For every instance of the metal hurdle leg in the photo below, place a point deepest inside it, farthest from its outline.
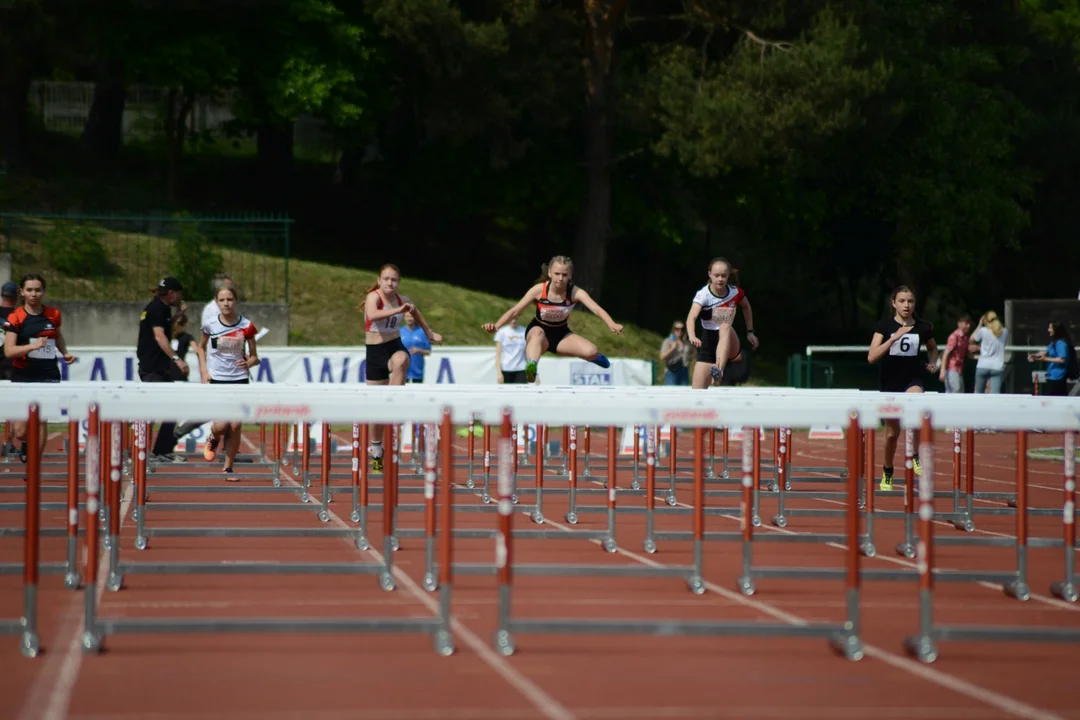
(650, 489)
(430, 449)
(91, 638)
(116, 577)
(963, 517)
(1018, 588)
(571, 463)
(867, 545)
(907, 547)
(1066, 589)
(360, 483)
(29, 642)
(73, 577)
(486, 497)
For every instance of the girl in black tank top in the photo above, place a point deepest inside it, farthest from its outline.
(549, 330)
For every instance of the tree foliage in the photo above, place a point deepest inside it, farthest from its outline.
(832, 150)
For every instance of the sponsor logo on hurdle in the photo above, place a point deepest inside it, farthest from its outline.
(890, 411)
(282, 411)
(696, 415)
(589, 374)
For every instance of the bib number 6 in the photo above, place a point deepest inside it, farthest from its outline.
(906, 345)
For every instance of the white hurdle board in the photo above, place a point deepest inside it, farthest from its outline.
(721, 407)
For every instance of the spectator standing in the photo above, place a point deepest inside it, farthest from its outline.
(989, 339)
(956, 351)
(510, 353)
(1060, 357)
(9, 295)
(157, 358)
(416, 342)
(676, 353)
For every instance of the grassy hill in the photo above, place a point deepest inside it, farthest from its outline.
(323, 297)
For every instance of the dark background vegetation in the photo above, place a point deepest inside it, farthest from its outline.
(830, 150)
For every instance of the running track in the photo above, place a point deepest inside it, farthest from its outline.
(394, 677)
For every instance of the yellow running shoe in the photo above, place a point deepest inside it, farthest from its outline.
(376, 464)
(886, 481)
(917, 467)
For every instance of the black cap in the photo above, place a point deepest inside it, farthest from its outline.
(9, 290)
(169, 283)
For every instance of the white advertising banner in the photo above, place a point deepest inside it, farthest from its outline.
(343, 365)
(300, 365)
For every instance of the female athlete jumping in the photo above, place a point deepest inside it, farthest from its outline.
(387, 358)
(715, 304)
(32, 343)
(224, 339)
(555, 296)
(896, 344)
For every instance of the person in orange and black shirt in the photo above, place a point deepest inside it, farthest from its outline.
(9, 295)
(33, 343)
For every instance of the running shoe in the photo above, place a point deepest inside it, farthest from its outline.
(717, 374)
(602, 360)
(886, 481)
(376, 464)
(917, 467)
(530, 371)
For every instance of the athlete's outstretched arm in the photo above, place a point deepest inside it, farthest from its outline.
(585, 299)
(748, 313)
(691, 324)
(531, 296)
(433, 337)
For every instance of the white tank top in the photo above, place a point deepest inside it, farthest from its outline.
(387, 325)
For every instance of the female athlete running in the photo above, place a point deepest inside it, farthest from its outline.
(555, 296)
(223, 343)
(715, 304)
(32, 343)
(896, 344)
(387, 358)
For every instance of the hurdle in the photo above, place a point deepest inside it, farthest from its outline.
(924, 645)
(70, 567)
(26, 627)
(98, 627)
(844, 635)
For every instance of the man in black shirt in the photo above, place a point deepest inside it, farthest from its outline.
(156, 358)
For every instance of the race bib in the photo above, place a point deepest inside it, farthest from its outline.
(230, 345)
(906, 345)
(553, 315)
(45, 353)
(722, 314)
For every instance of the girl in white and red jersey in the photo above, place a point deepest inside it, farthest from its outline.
(555, 296)
(716, 304)
(229, 346)
(388, 359)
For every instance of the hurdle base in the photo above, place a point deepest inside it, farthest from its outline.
(1064, 590)
(251, 568)
(1014, 633)
(676, 628)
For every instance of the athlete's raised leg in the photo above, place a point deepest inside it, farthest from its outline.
(727, 347)
(536, 344)
(579, 347)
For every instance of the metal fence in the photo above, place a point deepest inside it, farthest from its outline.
(116, 257)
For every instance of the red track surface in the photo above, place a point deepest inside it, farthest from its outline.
(373, 676)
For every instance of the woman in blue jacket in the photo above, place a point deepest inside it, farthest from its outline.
(1058, 355)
